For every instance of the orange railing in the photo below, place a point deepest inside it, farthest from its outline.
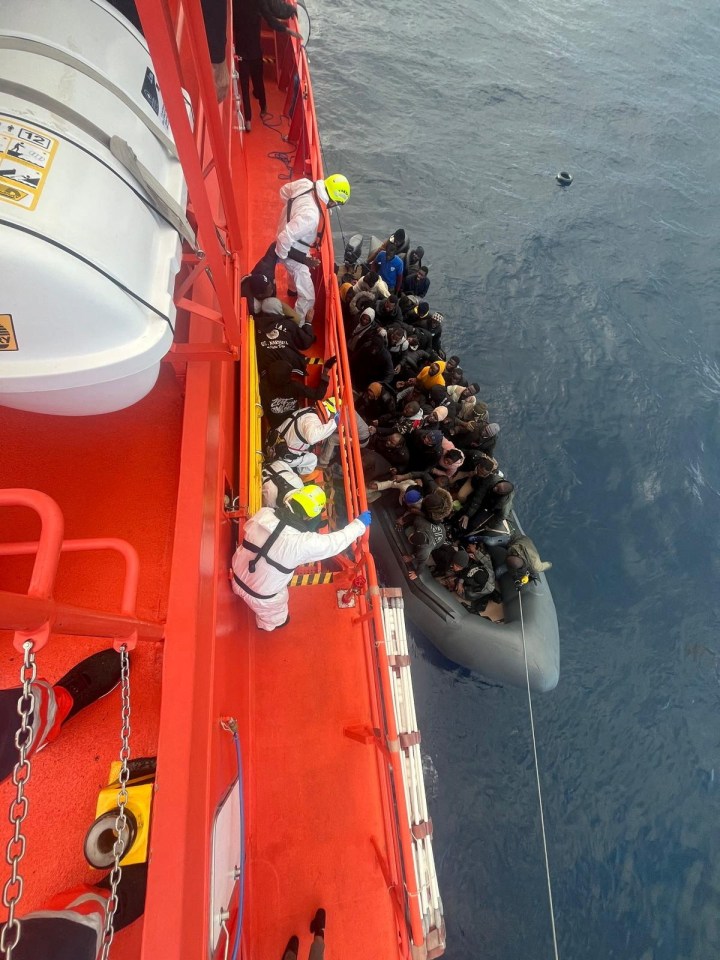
(35, 614)
(294, 77)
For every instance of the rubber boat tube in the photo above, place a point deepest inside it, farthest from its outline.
(493, 649)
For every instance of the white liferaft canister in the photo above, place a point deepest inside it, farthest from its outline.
(88, 263)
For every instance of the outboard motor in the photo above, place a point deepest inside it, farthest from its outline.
(353, 248)
(352, 269)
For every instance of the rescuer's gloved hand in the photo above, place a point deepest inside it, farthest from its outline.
(329, 363)
(366, 517)
(336, 418)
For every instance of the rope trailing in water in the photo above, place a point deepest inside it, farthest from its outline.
(539, 788)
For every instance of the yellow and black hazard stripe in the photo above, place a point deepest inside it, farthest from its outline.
(315, 361)
(311, 579)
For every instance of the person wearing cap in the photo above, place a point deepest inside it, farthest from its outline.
(302, 217)
(449, 562)
(425, 448)
(415, 258)
(390, 267)
(377, 400)
(277, 541)
(476, 583)
(281, 392)
(416, 283)
(408, 492)
(487, 437)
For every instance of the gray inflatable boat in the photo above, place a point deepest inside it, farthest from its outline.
(492, 649)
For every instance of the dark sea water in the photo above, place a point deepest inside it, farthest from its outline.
(589, 316)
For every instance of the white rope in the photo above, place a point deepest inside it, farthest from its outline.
(539, 789)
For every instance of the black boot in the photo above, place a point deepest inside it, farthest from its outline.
(91, 679)
(317, 925)
(291, 950)
(131, 894)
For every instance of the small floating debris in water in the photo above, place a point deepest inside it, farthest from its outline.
(564, 178)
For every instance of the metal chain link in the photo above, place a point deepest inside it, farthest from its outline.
(15, 851)
(122, 799)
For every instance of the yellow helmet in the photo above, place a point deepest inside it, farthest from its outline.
(338, 187)
(327, 408)
(308, 502)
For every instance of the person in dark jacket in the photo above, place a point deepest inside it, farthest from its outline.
(476, 583)
(371, 362)
(281, 393)
(424, 536)
(495, 506)
(215, 17)
(416, 283)
(387, 311)
(425, 448)
(394, 450)
(376, 401)
(278, 337)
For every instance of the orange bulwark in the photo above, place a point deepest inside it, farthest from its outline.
(117, 530)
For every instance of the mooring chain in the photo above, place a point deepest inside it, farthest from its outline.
(122, 799)
(15, 851)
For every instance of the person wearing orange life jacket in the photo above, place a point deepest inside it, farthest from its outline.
(275, 542)
(305, 204)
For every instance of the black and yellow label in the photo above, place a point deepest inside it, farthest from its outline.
(311, 579)
(8, 340)
(26, 155)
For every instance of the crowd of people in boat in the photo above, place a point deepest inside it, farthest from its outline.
(431, 438)
(424, 430)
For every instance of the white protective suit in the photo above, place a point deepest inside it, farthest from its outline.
(265, 590)
(299, 232)
(287, 480)
(300, 432)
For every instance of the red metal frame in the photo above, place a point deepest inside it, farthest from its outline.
(35, 614)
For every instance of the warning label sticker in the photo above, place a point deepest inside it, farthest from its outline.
(26, 155)
(8, 340)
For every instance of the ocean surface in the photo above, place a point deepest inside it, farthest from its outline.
(589, 315)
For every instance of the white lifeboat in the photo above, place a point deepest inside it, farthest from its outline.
(89, 243)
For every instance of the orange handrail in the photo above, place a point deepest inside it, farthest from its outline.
(36, 612)
(308, 162)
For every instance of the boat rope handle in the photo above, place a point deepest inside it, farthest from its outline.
(539, 788)
(13, 890)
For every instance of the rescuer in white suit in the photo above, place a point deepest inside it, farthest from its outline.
(275, 542)
(305, 204)
(303, 429)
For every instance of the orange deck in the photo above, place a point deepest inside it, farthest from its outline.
(314, 798)
(314, 794)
